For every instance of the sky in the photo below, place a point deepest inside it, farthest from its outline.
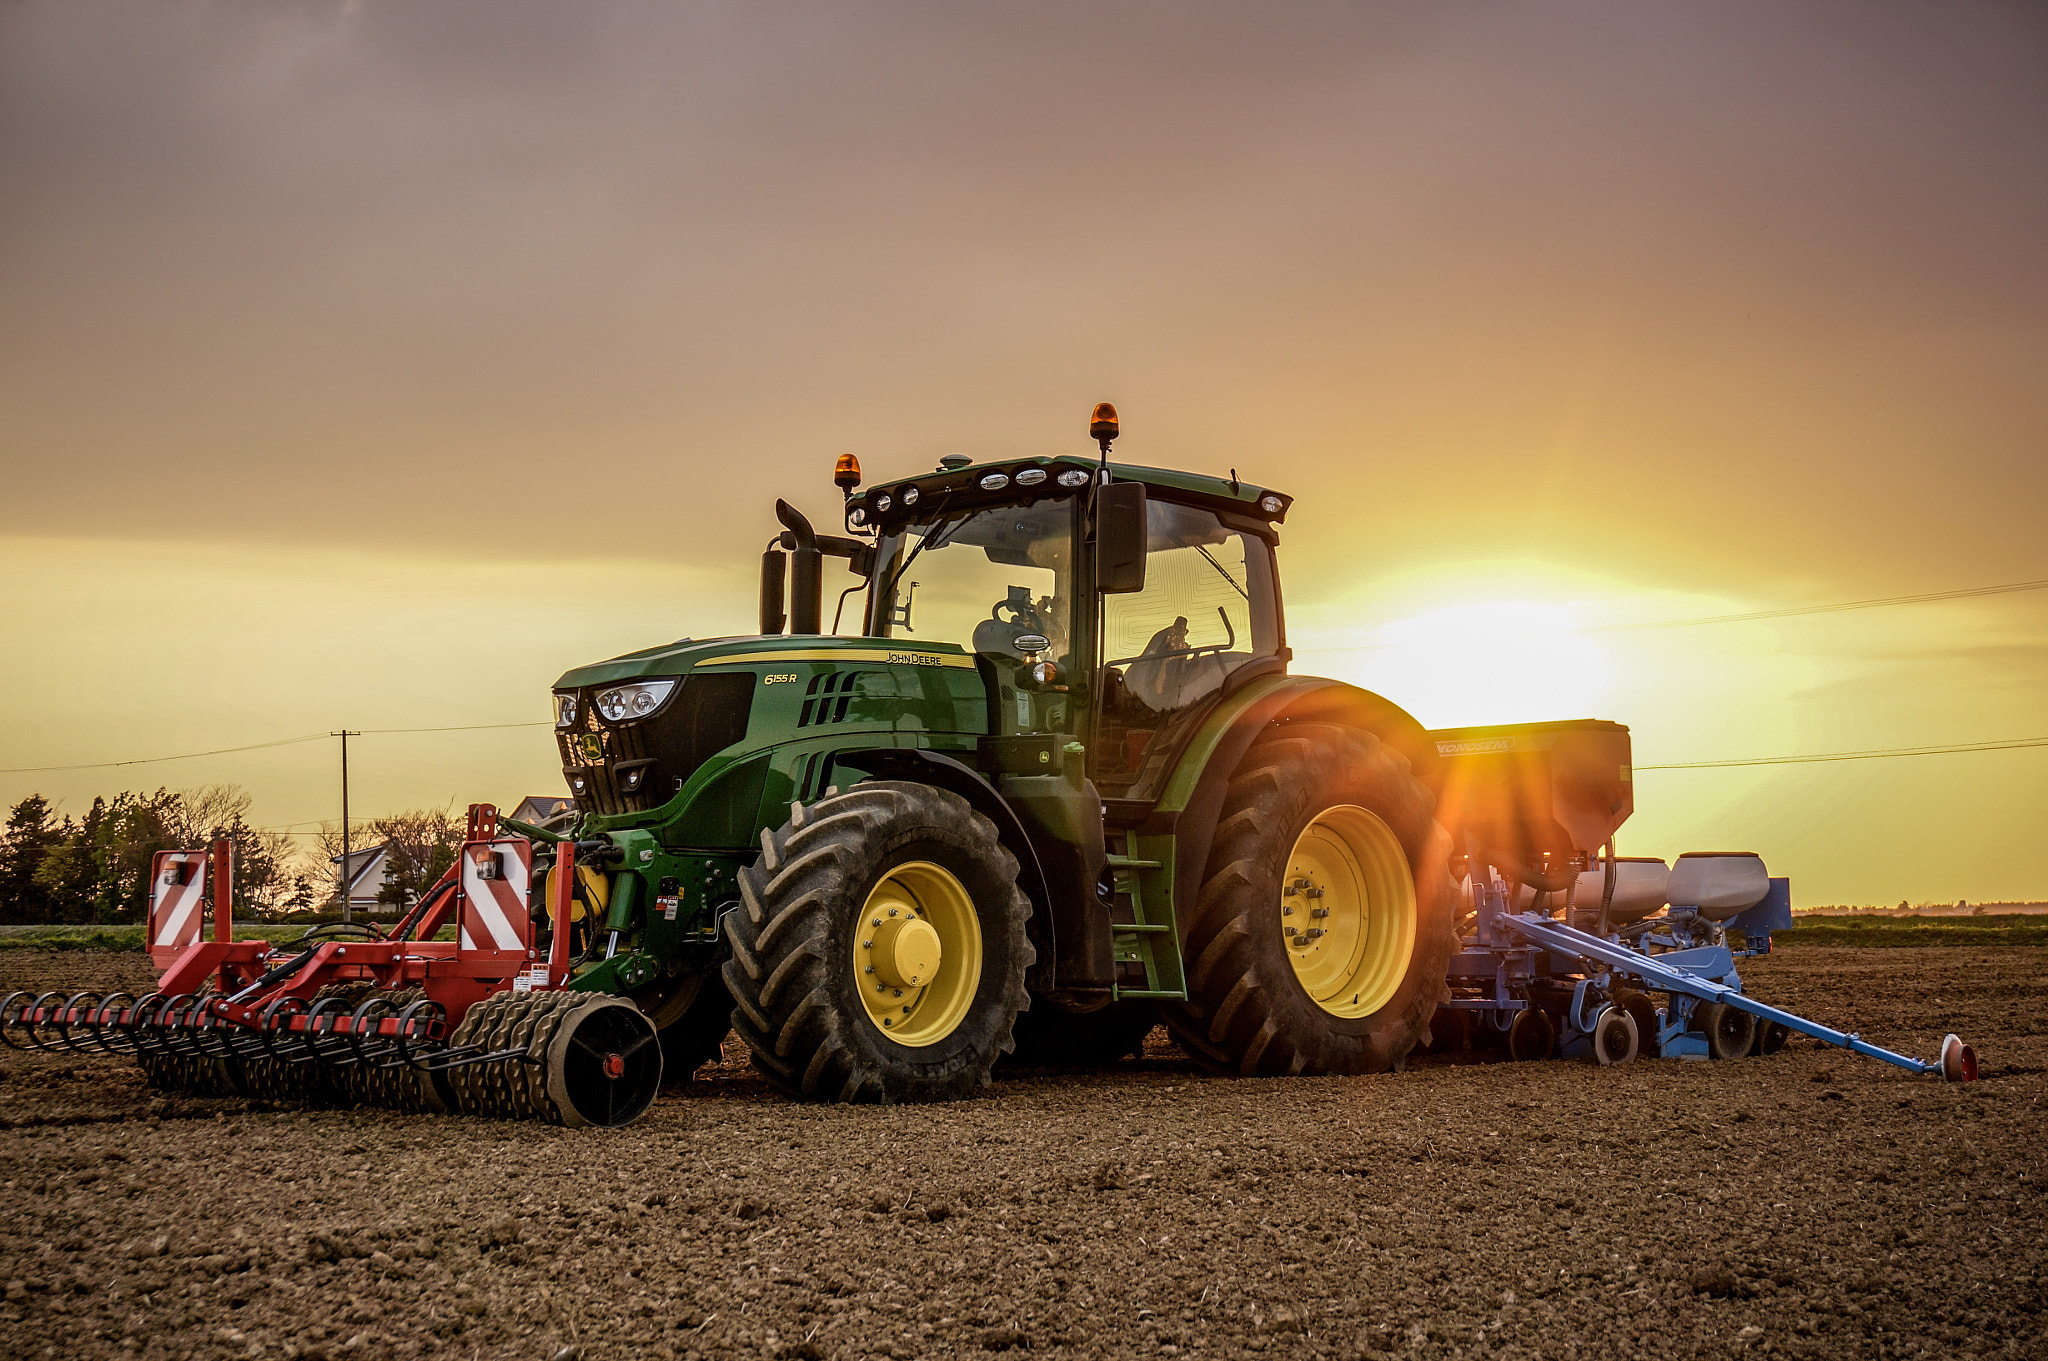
(368, 365)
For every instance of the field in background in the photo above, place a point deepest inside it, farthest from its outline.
(2015, 928)
(1956, 909)
(131, 937)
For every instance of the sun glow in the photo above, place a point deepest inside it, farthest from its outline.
(1483, 662)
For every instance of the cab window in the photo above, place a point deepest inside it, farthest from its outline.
(1206, 610)
(983, 581)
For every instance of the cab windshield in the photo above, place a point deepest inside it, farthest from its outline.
(994, 581)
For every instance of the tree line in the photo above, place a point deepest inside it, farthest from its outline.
(94, 868)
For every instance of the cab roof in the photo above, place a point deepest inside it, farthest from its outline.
(996, 482)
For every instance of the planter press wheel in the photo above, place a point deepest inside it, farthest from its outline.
(1770, 1037)
(1532, 1036)
(1615, 1040)
(603, 1064)
(1729, 1032)
(1643, 1009)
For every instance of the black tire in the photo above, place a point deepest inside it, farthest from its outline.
(693, 1015)
(1729, 1032)
(1770, 1037)
(1247, 1012)
(1641, 1006)
(1532, 1036)
(1615, 1040)
(796, 999)
(1050, 1037)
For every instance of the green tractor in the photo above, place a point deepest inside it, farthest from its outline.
(1056, 786)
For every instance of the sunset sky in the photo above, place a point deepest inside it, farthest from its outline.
(370, 364)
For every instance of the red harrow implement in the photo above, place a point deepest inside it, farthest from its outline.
(480, 1025)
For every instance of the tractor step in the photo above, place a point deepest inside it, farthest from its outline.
(1144, 875)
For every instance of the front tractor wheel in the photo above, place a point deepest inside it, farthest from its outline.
(1320, 939)
(879, 952)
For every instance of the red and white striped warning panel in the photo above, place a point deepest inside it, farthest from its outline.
(177, 888)
(495, 878)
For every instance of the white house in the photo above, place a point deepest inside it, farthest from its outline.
(369, 869)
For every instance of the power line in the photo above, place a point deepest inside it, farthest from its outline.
(1927, 597)
(260, 746)
(466, 727)
(153, 760)
(1965, 593)
(1944, 750)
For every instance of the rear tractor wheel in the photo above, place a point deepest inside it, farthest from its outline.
(879, 950)
(1319, 940)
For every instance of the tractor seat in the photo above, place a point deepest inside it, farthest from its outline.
(1719, 883)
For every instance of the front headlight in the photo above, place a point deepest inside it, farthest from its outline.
(565, 711)
(637, 700)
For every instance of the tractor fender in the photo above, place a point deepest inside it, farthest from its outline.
(922, 766)
(1191, 801)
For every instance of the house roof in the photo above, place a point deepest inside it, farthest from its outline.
(361, 860)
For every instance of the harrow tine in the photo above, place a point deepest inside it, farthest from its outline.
(12, 1009)
(172, 1022)
(371, 1013)
(223, 1037)
(276, 1019)
(73, 1013)
(108, 1015)
(142, 1025)
(320, 1019)
(417, 1022)
(40, 1014)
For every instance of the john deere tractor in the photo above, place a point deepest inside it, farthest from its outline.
(1045, 779)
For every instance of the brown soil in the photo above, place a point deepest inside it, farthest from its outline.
(1808, 1204)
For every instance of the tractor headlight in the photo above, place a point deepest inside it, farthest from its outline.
(995, 481)
(565, 711)
(910, 496)
(1073, 477)
(1030, 477)
(637, 700)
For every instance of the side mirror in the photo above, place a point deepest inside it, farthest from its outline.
(1120, 538)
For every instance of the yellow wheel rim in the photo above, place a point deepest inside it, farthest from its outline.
(917, 954)
(1347, 911)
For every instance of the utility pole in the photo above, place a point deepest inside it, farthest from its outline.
(344, 735)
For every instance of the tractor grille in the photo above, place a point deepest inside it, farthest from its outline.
(631, 767)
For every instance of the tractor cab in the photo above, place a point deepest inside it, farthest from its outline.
(1107, 603)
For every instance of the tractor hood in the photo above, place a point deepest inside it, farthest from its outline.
(685, 655)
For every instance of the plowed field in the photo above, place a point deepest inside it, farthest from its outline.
(1806, 1204)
